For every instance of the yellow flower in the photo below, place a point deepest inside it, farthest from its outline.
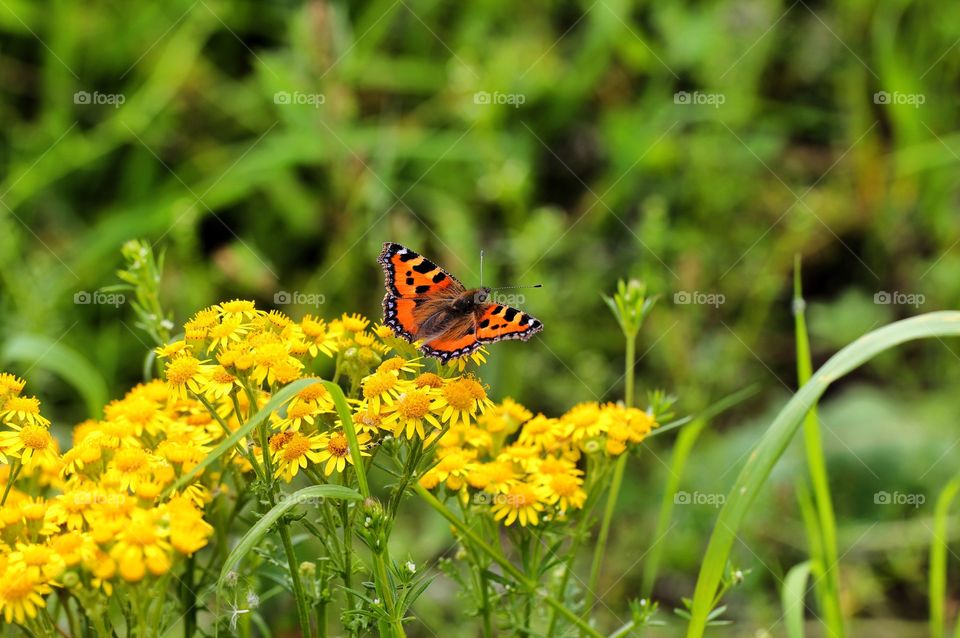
(540, 431)
(318, 336)
(452, 467)
(381, 387)
(582, 421)
(228, 331)
(22, 593)
(460, 400)
(73, 547)
(336, 453)
(39, 559)
(565, 491)
(185, 374)
(523, 502)
(272, 363)
(10, 385)
(219, 383)
(32, 444)
(505, 418)
(171, 349)
(406, 416)
(130, 463)
(141, 546)
(396, 364)
(479, 357)
(23, 410)
(496, 477)
(354, 322)
(238, 307)
(293, 451)
(188, 531)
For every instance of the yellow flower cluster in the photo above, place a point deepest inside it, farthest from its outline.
(527, 468)
(99, 512)
(233, 353)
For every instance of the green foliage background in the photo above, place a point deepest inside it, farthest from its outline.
(600, 173)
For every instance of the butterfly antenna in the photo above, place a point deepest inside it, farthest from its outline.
(481, 268)
(525, 286)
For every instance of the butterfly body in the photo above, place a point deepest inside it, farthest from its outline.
(427, 304)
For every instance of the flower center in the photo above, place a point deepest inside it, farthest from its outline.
(414, 405)
(297, 446)
(35, 437)
(338, 446)
(378, 383)
(182, 369)
(458, 395)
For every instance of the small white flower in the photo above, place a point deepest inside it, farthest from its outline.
(411, 567)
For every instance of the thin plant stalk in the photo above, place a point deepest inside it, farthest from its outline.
(614, 493)
(828, 587)
(529, 584)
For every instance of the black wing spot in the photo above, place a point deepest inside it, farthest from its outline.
(409, 281)
(484, 323)
(511, 313)
(422, 289)
(407, 256)
(497, 310)
(437, 278)
(425, 266)
(524, 318)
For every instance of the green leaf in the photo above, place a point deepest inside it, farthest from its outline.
(938, 558)
(228, 444)
(63, 361)
(263, 525)
(793, 596)
(775, 440)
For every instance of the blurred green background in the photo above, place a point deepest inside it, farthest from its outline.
(273, 146)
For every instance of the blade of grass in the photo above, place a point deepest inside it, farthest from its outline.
(263, 525)
(792, 598)
(678, 461)
(828, 588)
(938, 558)
(775, 440)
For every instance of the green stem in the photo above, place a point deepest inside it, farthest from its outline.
(590, 595)
(380, 558)
(629, 364)
(816, 464)
(11, 477)
(303, 610)
(508, 567)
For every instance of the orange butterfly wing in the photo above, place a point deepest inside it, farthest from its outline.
(417, 306)
(498, 322)
(411, 279)
(409, 274)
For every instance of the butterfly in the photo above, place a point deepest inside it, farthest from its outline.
(426, 303)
